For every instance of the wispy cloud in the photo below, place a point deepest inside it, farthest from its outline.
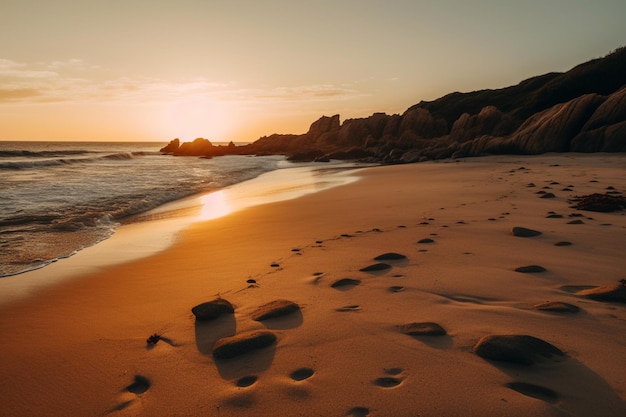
(78, 81)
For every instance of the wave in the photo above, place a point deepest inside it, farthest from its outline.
(42, 154)
(36, 162)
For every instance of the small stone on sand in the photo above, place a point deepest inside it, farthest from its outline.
(557, 307)
(530, 269)
(390, 256)
(274, 309)
(375, 267)
(522, 349)
(230, 347)
(423, 329)
(525, 232)
(212, 309)
(345, 283)
(426, 240)
(609, 293)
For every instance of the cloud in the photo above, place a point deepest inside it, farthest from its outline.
(307, 92)
(76, 81)
(12, 95)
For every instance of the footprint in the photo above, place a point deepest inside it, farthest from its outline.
(393, 371)
(534, 391)
(139, 386)
(302, 374)
(246, 381)
(358, 412)
(349, 308)
(387, 382)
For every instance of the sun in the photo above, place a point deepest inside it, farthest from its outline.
(196, 117)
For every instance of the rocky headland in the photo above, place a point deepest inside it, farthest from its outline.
(581, 110)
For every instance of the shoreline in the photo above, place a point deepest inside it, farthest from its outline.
(149, 233)
(81, 345)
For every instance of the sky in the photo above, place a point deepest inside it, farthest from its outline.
(135, 70)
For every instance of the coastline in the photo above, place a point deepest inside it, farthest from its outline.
(81, 345)
(154, 231)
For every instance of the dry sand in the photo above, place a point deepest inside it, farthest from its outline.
(79, 348)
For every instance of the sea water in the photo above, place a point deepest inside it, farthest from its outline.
(59, 197)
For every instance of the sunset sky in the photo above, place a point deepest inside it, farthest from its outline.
(135, 70)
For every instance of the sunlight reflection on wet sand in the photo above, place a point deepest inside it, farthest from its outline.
(272, 187)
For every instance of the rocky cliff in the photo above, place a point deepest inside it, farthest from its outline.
(582, 110)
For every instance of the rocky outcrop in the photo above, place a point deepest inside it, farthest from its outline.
(553, 129)
(171, 147)
(582, 110)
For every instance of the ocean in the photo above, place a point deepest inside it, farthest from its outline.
(57, 198)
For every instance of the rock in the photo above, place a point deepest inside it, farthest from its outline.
(375, 267)
(323, 125)
(551, 130)
(426, 240)
(604, 203)
(548, 195)
(557, 307)
(490, 121)
(530, 269)
(230, 347)
(345, 283)
(212, 309)
(274, 309)
(524, 232)
(423, 329)
(521, 349)
(421, 122)
(391, 256)
(171, 147)
(563, 243)
(199, 147)
(609, 293)
(610, 112)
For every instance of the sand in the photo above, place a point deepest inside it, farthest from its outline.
(352, 346)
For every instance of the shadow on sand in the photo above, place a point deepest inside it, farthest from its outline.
(209, 332)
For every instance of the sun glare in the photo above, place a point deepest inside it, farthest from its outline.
(197, 117)
(214, 205)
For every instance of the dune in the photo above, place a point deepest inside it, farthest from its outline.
(338, 346)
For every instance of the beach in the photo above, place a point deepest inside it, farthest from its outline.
(356, 341)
